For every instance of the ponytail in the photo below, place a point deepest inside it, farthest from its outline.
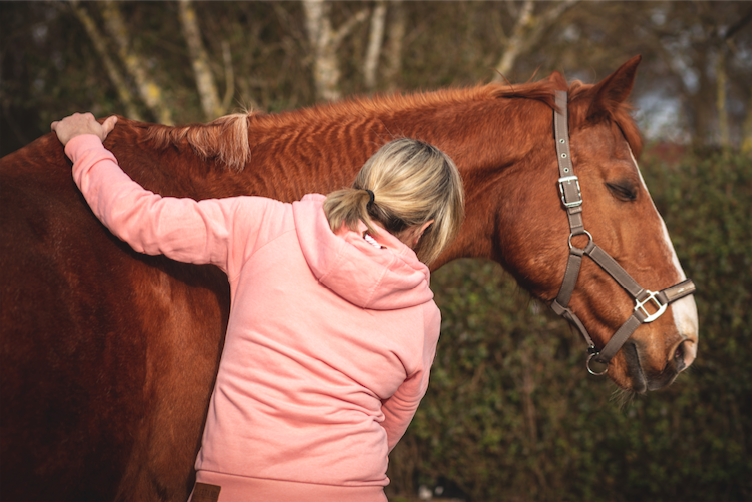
(406, 183)
(347, 207)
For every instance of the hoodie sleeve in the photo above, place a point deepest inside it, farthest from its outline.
(216, 231)
(400, 408)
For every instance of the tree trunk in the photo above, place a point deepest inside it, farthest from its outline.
(513, 45)
(746, 139)
(229, 76)
(113, 72)
(324, 42)
(395, 41)
(701, 105)
(149, 91)
(376, 37)
(326, 72)
(721, 81)
(207, 89)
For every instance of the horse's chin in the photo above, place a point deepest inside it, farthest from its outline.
(640, 379)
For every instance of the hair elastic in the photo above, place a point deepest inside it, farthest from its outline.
(370, 194)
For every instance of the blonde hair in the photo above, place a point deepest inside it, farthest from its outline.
(412, 183)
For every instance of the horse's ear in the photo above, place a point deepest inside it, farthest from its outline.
(610, 92)
(557, 79)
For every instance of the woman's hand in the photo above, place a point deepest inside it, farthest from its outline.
(82, 123)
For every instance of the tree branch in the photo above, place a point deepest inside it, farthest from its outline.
(738, 25)
(149, 91)
(348, 26)
(546, 20)
(514, 43)
(97, 39)
(528, 30)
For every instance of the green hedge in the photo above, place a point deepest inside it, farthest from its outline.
(512, 415)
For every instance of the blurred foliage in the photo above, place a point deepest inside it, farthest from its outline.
(49, 67)
(511, 413)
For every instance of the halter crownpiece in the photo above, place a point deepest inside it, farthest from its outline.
(571, 198)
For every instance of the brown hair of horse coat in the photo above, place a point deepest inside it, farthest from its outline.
(109, 357)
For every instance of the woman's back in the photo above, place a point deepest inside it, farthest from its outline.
(312, 378)
(332, 327)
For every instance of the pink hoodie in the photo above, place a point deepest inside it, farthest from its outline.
(329, 341)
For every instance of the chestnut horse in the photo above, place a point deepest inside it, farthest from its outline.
(108, 357)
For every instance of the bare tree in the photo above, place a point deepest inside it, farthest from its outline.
(746, 145)
(697, 45)
(375, 39)
(395, 41)
(207, 88)
(113, 72)
(325, 41)
(528, 29)
(150, 92)
(728, 46)
(205, 82)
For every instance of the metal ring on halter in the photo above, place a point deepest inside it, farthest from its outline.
(587, 365)
(583, 232)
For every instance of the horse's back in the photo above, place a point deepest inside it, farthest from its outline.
(107, 356)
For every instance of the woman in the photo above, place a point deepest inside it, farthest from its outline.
(332, 328)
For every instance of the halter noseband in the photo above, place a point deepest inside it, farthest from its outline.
(571, 198)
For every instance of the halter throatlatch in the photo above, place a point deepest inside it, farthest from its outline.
(649, 305)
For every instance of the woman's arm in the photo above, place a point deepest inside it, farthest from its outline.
(400, 408)
(211, 231)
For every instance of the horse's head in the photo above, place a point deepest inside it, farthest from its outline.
(619, 217)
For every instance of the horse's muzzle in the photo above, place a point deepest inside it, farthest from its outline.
(643, 377)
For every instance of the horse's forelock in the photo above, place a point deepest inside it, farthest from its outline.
(225, 138)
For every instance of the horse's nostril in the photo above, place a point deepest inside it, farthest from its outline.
(685, 354)
(679, 357)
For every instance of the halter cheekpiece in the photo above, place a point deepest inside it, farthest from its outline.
(646, 300)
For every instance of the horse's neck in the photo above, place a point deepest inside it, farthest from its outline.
(495, 146)
(492, 143)
(321, 155)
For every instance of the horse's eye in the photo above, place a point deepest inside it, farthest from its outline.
(623, 190)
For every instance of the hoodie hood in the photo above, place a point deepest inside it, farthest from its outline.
(382, 279)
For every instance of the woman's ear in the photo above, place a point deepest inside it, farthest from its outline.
(410, 236)
(420, 231)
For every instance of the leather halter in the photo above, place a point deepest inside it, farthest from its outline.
(571, 198)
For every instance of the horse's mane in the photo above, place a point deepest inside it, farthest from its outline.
(226, 138)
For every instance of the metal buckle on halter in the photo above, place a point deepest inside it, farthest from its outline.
(569, 179)
(652, 296)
